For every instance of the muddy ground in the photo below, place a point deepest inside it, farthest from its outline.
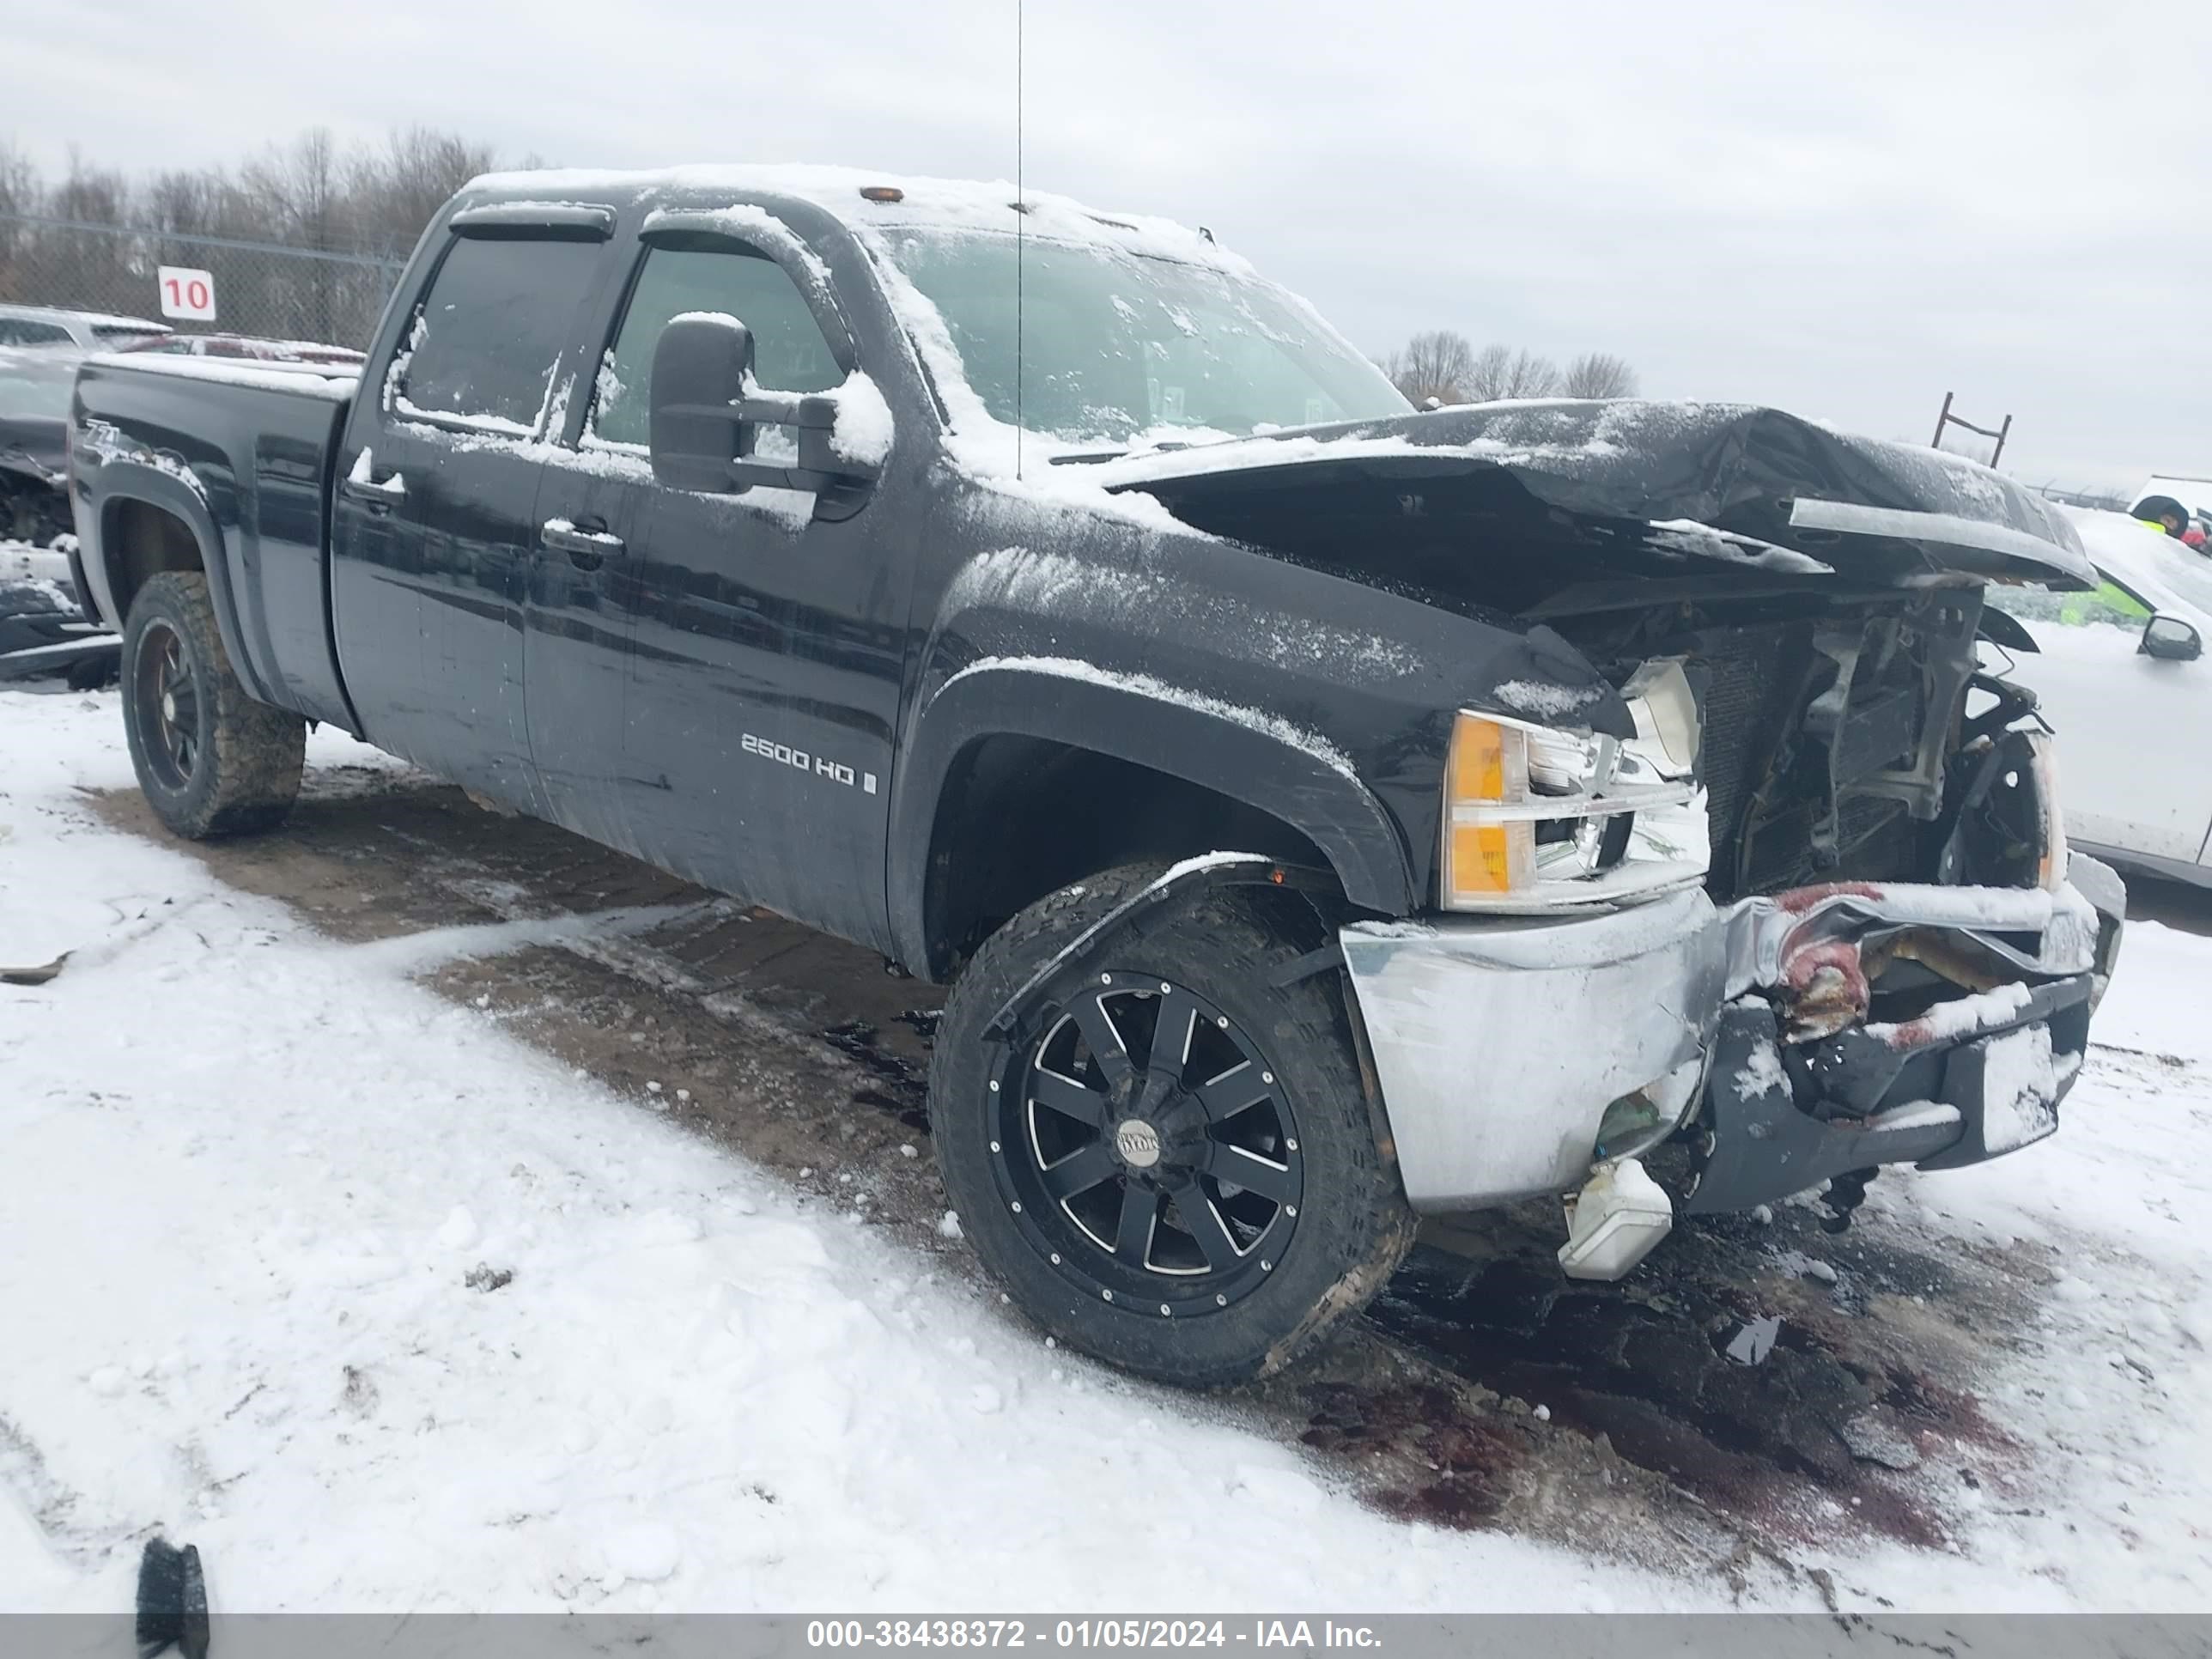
(1759, 1386)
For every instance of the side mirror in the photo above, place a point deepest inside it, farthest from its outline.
(700, 367)
(706, 414)
(2170, 639)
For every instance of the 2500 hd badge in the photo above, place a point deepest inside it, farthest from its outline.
(820, 765)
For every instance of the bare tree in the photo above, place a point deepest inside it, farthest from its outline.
(1441, 364)
(1486, 384)
(309, 194)
(1599, 374)
(299, 195)
(19, 193)
(89, 194)
(297, 189)
(395, 193)
(1436, 363)
(1500, 372)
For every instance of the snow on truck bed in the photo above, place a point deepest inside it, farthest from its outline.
(247, 1168)
(308, 379)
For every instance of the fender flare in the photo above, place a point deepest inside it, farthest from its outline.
(1313, 792)
(122, 479)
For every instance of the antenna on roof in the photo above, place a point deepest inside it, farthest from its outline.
(1020, 213)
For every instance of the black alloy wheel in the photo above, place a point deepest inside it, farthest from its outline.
(1164, 1145)
(1145, 1145)
(165, 684)
(211, 760)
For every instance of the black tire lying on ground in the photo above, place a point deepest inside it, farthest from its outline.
(1095, 1199)
(211, 761)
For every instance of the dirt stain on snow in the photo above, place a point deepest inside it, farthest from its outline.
(1855, 1420)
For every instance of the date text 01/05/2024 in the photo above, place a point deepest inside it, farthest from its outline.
(1087, 1633)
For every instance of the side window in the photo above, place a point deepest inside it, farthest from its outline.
(18, 330)
(789, 351)
(488, 337)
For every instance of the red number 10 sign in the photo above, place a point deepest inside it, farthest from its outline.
(186, 294)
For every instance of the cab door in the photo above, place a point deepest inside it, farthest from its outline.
(435, 521)
(765, 666)
(580, 621)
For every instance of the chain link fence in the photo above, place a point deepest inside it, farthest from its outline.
(266, 289)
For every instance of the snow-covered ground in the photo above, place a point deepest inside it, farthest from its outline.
(22, 560)
(244, 1171)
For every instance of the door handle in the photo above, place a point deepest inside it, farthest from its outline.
(586, 548)
(375, 492)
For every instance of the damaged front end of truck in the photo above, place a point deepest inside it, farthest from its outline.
(1762, 866)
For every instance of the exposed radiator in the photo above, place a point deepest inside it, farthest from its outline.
(1757, 681)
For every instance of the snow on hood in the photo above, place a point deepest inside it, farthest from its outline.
(1714, 481)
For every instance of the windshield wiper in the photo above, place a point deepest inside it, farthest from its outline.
(1096, 457)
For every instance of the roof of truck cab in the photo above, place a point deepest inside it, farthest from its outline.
(924, 203)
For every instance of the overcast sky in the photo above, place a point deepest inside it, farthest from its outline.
(1843, 208)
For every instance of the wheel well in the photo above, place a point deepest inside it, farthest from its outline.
(1020, 818)
(139, 539)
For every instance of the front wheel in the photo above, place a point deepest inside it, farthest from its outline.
(211, 761)
(1169, 1161)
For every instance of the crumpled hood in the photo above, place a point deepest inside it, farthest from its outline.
(1682, 482)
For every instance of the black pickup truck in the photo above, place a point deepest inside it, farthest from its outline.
(1322, 812)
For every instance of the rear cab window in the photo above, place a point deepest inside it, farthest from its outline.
(486, 342)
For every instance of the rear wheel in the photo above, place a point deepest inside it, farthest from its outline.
(211, 761)
(1170, 1163)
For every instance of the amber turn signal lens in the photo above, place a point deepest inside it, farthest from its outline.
(882, 193)
(1488, 768)
(1481, 861)
(1478, 760)
(1486, 859)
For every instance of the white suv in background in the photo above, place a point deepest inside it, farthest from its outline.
(2122, 673)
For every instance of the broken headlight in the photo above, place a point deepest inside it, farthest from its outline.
(1536, 818)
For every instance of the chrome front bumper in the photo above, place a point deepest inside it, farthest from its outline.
(1504, 1047)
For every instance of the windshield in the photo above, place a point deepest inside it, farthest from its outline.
(1116, 347)
(2164, 571)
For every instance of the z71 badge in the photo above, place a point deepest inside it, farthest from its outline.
(820, 765)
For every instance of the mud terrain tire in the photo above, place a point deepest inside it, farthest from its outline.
(211, 761)
(1348, 1226)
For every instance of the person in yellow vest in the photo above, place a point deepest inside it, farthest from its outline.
(2163, 512)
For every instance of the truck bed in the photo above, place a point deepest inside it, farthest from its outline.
(244, 455)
